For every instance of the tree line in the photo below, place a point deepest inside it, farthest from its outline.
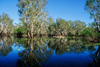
(6, 25)
(36, 22)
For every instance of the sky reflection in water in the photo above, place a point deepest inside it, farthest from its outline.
(48, 52)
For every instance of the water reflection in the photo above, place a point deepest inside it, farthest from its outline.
(5, 45)
(47, 52)
(36, 51)
(96, 57)
(69, 45)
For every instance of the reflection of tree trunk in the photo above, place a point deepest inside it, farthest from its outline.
(28, 43)
(12, 38)
(26, 52)
(31, 46)
(96, 58)
(97, 53)
(4, 39)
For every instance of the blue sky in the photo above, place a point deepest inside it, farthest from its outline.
(65, 9)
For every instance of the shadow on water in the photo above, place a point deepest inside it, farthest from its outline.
(96, 57)
(48, 52)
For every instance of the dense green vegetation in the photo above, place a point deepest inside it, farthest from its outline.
(36, 22)
(67, 37)
(66, 28)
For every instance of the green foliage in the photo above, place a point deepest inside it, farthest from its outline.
(93, 7)
(70, 34)
(90, 34)
(20, 30)
(51, 26)
(66, 28)
(33, 13)
(6, 24)
(86, 32)
(62, 26)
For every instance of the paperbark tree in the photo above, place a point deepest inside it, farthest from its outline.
(93, 7)
(6, 24)
(32, 11)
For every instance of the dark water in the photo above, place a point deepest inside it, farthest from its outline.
(48, 52)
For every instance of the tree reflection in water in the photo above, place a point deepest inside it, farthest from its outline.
(96, 57)
(37, 51)
(69, 45)
(5, 45)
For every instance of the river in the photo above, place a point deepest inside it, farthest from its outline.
(48, 52)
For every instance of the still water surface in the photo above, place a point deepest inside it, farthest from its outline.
(48, 52)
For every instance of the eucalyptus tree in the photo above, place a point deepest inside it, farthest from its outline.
(32, 13)
(93, 7)
(43, 23)
(24, 12)
(92, 25)
(52, 26)
(78, 27)
(10, 29)
(38, 16)
(6, 24)
(62, 26)
(0, 24)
